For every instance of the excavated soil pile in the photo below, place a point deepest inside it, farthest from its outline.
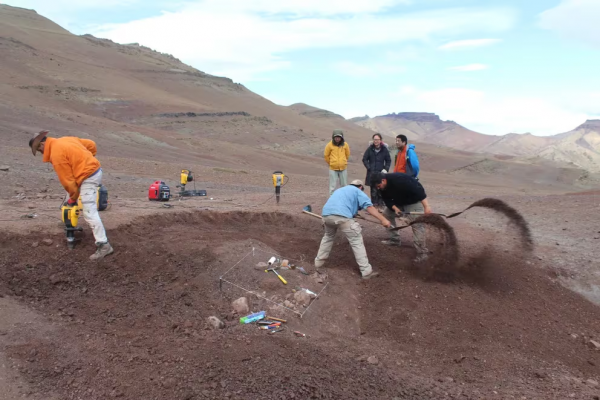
(133, 326)
(513, 215)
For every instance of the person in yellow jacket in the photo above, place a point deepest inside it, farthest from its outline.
(336, 154)
(79, 172)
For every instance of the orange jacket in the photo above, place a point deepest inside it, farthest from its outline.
(401, 161)
(73, 160)
(90, 145)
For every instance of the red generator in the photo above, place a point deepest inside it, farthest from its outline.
(159, 191)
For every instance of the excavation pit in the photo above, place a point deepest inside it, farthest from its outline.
(135, 325)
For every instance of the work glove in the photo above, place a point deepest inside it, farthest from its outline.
(383, 171)
(70, 202)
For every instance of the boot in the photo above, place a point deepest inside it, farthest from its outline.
(371, 275)
(102, 251)
(421, 258)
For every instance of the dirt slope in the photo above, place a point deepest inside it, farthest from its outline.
(143, 105)
(136, 328)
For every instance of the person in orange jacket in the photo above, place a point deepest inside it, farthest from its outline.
(336, 155)
(79, 172)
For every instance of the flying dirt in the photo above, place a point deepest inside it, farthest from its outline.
(445, 265)
(515, 218)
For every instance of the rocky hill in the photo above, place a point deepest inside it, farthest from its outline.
(580, 147)
(144, 106)
(314, 112)
(428, 128)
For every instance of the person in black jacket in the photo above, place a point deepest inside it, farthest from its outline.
(403, 194)
(376, 159)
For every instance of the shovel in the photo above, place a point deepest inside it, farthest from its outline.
(308, 210)
(422, 213)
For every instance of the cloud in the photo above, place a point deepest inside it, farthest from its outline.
(469, 67)
(479, 110)
(361, 70)
(497, 114)
(243, 39)
(302, 8)
(574, 19)
(468, 44)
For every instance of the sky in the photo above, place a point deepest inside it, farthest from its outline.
(494, 66)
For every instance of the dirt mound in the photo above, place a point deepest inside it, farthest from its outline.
(444, 263)
(133, 326)
(514, 216)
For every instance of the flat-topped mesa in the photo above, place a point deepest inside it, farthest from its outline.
(590, 124)
(359, 119)
(416, 116)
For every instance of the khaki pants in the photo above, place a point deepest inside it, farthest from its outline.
(88, 192)
(419, 232)
(333, 178)
(352, 230)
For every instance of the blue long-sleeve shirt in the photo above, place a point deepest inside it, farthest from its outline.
(346, 202)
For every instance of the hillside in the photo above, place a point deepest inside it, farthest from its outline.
(314, 112)
(579, 147)
(133, 100)
(488, 316)
(140, 105)
(429, 128)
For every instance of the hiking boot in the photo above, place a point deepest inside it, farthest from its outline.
(392, 242)
(102, 251)
(421, 257)
(371, 275)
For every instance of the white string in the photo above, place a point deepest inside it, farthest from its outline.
(243, 258)
(311, 303)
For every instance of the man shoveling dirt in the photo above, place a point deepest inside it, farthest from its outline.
(339, 212)
(404, 194)
(79, 172)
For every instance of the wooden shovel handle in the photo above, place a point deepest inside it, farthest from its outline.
(314, 215)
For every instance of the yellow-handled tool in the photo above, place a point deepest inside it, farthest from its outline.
(279, 276)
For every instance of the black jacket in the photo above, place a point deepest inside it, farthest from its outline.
(402, 190)
(375, 162)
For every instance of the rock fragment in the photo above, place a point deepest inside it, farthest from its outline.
(215, 323)
(241, 305)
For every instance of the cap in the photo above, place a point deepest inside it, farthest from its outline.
(35, 143)
(357, 182)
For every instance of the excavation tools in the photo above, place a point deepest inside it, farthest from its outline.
(70, 217)
(302, 270)
(70, 214)
(276, 273)
(272, 326)
(253, 317)
(278, 182)
(308, 210)
(299, 334)
(186, 177)
(276, 319)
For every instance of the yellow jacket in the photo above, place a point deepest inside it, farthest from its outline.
(337, 156)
